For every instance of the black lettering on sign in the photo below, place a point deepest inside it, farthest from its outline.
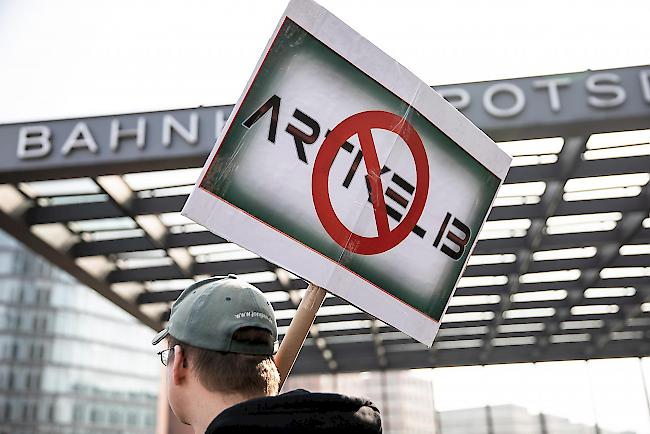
(402, 201)
(384, 169)
(390, 193)
(353, 169)
(417, 230)
(273, 103)
(397, 197)
(301, 138)
(460, 243)
(403, 183)
(442, 230)
(347, 146)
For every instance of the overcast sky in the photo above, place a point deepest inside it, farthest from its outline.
(79, 58)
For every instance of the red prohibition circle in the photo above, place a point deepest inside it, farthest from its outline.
(362, 124)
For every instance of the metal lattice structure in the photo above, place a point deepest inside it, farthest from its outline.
(561, 270)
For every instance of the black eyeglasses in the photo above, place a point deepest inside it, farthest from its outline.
(164, 355)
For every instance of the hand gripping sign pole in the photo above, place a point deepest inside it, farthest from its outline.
(298, 330)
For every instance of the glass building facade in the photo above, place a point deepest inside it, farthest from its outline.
(71, 362)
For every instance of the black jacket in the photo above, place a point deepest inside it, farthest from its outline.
(299, 412)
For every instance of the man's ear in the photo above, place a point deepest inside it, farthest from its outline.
(179, 366)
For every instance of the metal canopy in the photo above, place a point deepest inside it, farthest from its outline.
(561, 270)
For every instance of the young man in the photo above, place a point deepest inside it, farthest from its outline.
(221, 377)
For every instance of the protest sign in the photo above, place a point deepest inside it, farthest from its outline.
(341, 166)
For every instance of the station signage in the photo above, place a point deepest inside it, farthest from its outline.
(548, 106)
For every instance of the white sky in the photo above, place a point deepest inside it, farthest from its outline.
(609, 392)
(78, 58)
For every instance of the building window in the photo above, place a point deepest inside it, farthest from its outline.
(19, 263)
(36, 381)
(78, 413)
(14, 321)
(132, 419)
(34, 412)
(115, 418)
(96, 416)
(6, 263)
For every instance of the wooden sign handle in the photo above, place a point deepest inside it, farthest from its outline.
(298, 330)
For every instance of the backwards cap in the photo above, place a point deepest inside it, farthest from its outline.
(209, 312)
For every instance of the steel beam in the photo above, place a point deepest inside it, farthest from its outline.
(23, 234)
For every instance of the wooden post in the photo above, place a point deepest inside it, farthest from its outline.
(298, 330)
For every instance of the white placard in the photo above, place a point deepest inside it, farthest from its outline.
(341, 166)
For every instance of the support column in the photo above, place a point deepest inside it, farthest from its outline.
(645, 385)
(166, 421)
(489, 420)
(162, 407)
(384, 398)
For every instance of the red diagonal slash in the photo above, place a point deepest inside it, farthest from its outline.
(374, 178)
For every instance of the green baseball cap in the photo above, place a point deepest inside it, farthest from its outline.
(209, 312)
